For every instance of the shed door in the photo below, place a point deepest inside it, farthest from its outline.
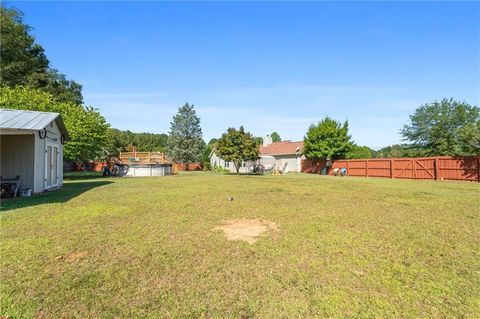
(51, 165)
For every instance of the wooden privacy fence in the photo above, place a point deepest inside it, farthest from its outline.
(436, 168)
(87, 166)
(190, 167)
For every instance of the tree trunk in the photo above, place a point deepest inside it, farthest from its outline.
(237, 167)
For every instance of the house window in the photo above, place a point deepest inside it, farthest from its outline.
(243, 164)
(227, 164)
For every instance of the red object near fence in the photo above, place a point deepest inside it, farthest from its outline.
(90, 167)
(436, 168)
(191, 167)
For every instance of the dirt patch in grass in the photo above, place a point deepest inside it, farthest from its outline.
(73, 257)
(249, 230)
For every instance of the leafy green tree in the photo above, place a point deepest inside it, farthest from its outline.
(21, 57)
(275, 137)
(237, 146)
(23, 62)
(258, 140)
(213, 142)
(185, 143)
(205, 158)
(470, 138)
(360, 152)
(119, 141)
(328, 139)
(444, 128)
(86, 126)
(57, 84)
(399, 150)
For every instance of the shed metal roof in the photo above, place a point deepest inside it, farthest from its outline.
(30, 120)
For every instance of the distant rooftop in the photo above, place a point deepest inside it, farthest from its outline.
(282, 148)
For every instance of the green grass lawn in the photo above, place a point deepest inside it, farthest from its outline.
(146, 248)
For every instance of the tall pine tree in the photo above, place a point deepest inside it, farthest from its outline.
(185, 143)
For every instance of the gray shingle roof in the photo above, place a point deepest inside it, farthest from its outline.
(30, 120)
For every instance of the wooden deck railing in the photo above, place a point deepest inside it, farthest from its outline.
(144, 158)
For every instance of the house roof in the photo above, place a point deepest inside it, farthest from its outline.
(30, 120)
(211, 153)
(282, 148)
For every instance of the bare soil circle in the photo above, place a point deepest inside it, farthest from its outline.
(248, 230)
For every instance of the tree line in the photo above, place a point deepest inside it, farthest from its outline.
(124, 141)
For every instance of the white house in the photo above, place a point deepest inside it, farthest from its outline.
(31, 146)
(276, 155)
(216, 161)
(287, 154)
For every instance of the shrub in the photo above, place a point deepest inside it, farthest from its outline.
(207, 166)
(221, 170)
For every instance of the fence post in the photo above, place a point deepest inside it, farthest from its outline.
(414, 167)
(150, 159)
(391, 168)
(366, 168)
(437, 169)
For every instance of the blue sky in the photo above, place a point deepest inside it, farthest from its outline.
(270, 66)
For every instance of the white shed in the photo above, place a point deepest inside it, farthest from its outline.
(31, 146)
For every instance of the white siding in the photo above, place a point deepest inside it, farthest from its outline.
(292, 161)
(22, 152)
(39, 162)
(53, 136)
(217, 161)
(16, 158)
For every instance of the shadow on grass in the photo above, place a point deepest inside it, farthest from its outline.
(248, 174)
(74, 176)
(67, 192)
